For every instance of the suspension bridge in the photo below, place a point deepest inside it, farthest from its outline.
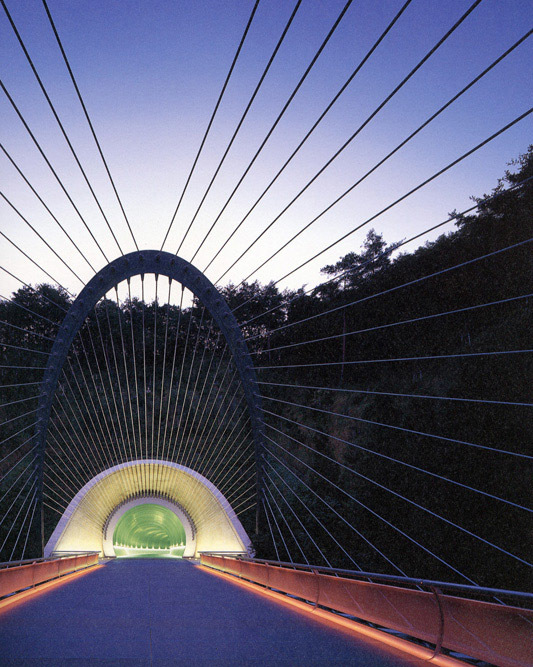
(217, 447)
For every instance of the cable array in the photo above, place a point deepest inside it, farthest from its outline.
(394, 395)
(99, 400)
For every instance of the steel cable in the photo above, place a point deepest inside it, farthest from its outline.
(48, 163)
(425, 509)
(254, 94)
(422, 433)
(394, 203)
(376, 514)
(274, 125)
(315, 125)
(361, 127)
(41, 200)
(241, 43)
(63, 53)
(359, 268)
(60, 124)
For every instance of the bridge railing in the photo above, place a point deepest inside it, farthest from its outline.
(20, 575)
(445, 615)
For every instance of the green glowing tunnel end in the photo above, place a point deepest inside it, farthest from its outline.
(149, 530)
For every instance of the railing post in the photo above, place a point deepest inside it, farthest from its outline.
(317, 579)
(438, 645)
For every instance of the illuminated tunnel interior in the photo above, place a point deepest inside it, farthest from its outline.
(148, 531)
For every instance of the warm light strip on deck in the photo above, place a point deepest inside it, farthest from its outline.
(335, 620)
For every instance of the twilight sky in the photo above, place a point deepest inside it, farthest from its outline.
(150, 74)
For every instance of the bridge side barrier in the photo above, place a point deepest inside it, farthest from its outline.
(15, 579)
(259, 574)
(415, 613)
(497, 633)
(302, 584)
(45, 571)
(19, 577)
(501, 634)
(66, 565)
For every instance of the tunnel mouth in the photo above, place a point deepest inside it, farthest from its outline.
(149, 530)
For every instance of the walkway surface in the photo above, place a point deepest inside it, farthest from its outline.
(169, 612)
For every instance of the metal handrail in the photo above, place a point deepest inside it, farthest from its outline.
(390, 578)
(227, 553)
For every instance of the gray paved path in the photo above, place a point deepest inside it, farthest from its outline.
(164, 612)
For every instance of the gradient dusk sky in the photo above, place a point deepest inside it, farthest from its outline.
(150, 73)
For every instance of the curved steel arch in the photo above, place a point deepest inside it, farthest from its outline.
(123, 268)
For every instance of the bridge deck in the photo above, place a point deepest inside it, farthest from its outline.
(156, 612)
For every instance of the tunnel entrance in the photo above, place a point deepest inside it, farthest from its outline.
(149, 530)
(92, 516)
